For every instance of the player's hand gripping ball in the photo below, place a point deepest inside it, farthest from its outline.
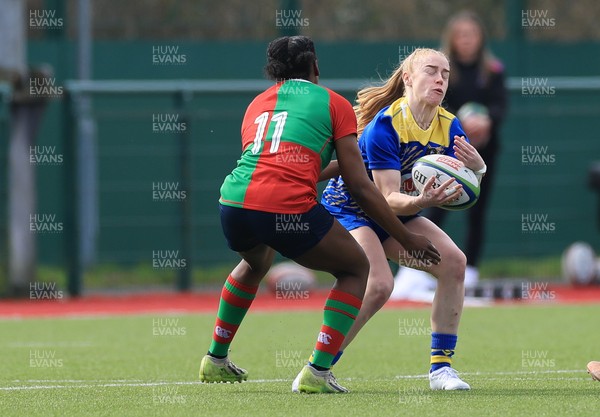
(444, 167)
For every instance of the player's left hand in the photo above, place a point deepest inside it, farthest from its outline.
(467, 154)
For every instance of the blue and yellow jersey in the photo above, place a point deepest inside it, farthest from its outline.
(393, 140)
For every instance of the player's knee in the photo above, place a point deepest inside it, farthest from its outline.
(379, 292)
(457, 264)
(256, 271)
(356, 268)
(361, 268)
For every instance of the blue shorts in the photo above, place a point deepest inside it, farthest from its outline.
(351, 220)
(289, 234)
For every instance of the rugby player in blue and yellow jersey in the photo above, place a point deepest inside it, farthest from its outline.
(401, 121)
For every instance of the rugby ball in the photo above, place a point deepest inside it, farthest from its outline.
(444, 167)
(290, 280)
(579, 264)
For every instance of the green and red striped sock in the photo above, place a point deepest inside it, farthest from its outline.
(236, 299)
(339, 314)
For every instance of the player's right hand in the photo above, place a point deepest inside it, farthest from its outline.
(419, 247)
(433, 196)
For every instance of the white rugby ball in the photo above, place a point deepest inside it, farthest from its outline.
(289, 278)
(579, 264)
(444, 167)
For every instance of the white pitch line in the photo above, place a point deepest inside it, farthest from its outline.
(139, 383)
(48, 344)
(103, 385)
(126, 384)
(544, 371)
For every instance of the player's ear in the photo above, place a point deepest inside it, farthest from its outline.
(407, 79)
(316, 68)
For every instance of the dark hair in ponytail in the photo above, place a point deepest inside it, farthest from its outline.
(290, 57)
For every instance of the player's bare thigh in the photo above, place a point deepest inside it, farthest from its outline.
(451, 254)
(380, 269)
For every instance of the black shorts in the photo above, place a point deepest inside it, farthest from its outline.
(289, 234)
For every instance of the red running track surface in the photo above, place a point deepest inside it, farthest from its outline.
(207, 302)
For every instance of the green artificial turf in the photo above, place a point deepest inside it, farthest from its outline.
(519, 360)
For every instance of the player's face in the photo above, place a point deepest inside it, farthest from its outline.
(466, 40)
(430, 79)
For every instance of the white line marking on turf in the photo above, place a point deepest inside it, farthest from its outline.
(546, 371)
(120, 384)
(57, 384)
(48, 344)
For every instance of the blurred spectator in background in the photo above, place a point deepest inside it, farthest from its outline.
(478, 97)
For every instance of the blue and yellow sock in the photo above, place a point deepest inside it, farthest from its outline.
(442, 350)
(337, 357)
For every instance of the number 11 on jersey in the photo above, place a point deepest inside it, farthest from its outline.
(261, 121)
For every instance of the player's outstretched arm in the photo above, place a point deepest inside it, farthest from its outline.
(330, 171)
(374, 204)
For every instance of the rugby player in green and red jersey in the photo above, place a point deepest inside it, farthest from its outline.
(269, 203)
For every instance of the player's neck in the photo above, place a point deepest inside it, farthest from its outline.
(423, 113)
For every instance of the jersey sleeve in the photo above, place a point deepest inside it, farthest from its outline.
(455, 130)
(343, 119)
(381, 144)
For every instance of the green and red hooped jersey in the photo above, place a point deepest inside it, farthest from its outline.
(288, 136)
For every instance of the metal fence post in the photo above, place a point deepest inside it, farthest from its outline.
(72, 253)
(184, 278)
(5, 96)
